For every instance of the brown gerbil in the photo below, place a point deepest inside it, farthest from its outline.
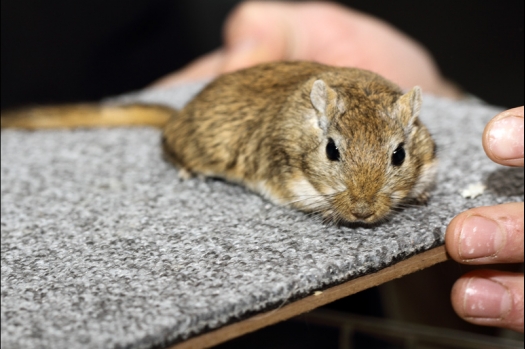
(339, 141)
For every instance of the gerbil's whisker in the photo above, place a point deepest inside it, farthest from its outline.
(315, 198)
(403, 205)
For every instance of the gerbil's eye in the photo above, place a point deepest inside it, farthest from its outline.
(398, 156)
(332, 153)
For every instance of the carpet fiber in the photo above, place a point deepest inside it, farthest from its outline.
(104, 247)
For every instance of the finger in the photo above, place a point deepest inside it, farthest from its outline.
(256, 32)
(205, 67)
(503, 138)
(490, 298)
(485, 235)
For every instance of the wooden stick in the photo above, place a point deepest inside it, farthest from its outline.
(408, 266)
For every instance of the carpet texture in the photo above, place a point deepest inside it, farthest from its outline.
(104, 247)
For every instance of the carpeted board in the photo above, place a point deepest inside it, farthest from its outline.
(104, 247)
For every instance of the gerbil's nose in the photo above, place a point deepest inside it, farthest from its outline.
(362, 211)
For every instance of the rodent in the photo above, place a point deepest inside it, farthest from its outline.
(342, 142)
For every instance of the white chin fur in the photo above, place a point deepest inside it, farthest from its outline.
(306, 197)
(425, 181)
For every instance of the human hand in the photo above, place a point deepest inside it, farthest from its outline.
(264, 31)
(488, 235)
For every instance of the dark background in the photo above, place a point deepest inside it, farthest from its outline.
(67, 51)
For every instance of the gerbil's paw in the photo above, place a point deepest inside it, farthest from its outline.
(185, 174)
(422, 199)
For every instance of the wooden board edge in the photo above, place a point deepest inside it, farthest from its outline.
(418, 262)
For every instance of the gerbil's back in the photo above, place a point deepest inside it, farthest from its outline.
(274, 82)
(233, 114)
(259, 86)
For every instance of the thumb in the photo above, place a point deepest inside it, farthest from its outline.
(255, 33)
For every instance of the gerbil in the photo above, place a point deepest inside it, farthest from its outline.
(343, 142)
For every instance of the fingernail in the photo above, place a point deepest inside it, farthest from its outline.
(506, 138)
(485, 298)
(480, 237)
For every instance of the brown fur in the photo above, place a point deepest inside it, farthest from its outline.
(258, 127)
(267, 127)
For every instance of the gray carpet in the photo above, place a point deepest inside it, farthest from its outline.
(104, 247)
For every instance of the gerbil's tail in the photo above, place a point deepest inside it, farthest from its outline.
(87, 115)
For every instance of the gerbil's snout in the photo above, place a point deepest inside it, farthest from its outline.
(358, 211)
(364, 201)
(362, 210)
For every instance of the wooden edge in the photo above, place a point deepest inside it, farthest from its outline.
(410, 265)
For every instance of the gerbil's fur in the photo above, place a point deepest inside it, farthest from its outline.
(339, 141)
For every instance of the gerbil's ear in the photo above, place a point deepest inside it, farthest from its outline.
(409, 105)
(319, 96)
(322, 97)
